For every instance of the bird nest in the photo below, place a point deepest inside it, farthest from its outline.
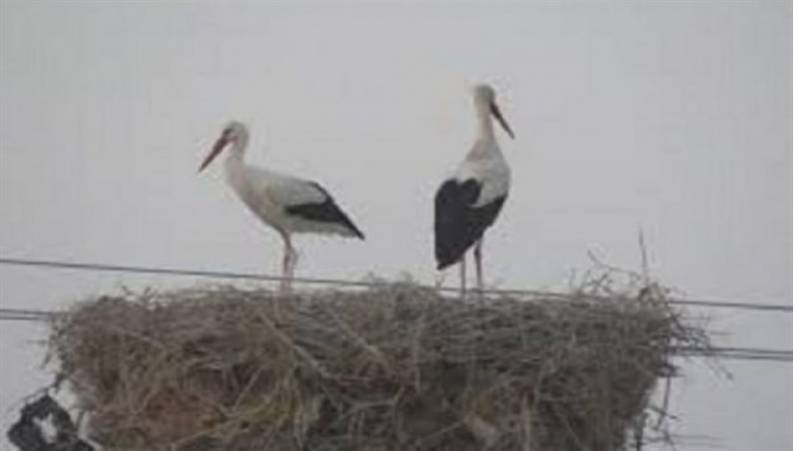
(392, 367)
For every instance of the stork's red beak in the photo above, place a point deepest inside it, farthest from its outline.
(220, 144)
(497, 114)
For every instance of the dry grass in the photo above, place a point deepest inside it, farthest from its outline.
(395, 367)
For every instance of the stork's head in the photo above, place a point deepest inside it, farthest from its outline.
(485, 99)
(235, 134)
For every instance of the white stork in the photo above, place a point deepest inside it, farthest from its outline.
(469, 201)
(287, 204)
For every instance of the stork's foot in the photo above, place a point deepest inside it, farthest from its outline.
(479, 293)
(288, 266)
(480, 284)
(463, 289)
(293, 263)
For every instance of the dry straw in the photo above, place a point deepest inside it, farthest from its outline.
(393, 367)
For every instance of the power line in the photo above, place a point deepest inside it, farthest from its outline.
(733, 353)
(738, 353)
(20, 318)
(766, 358)
(14, 314)
(348, 283)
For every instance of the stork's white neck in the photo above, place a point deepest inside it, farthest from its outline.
(484, 119)
(236, 156)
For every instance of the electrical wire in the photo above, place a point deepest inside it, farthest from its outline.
(350, 283)
(738, 353)
(733, 353)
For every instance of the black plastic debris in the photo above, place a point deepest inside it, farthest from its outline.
(27, 433)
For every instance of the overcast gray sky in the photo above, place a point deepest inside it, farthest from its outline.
(673, 116)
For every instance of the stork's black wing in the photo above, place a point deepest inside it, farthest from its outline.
(325, 211)
(458, 224)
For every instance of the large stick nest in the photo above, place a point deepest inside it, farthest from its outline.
(394, 367)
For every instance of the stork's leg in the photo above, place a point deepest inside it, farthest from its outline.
(286, 265)
(480, 284)
(285, 268)
(293, 263)
(462, 276)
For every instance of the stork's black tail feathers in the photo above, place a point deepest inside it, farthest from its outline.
(458, 224)
(350, 225)
(326, 211)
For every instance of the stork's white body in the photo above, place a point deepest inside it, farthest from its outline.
(486, 164)
(268, 194)
(286, 203)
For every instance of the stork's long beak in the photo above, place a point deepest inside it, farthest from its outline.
(497, 114)
(220, 144)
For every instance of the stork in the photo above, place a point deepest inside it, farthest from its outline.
(287, 204)
(469, 201)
